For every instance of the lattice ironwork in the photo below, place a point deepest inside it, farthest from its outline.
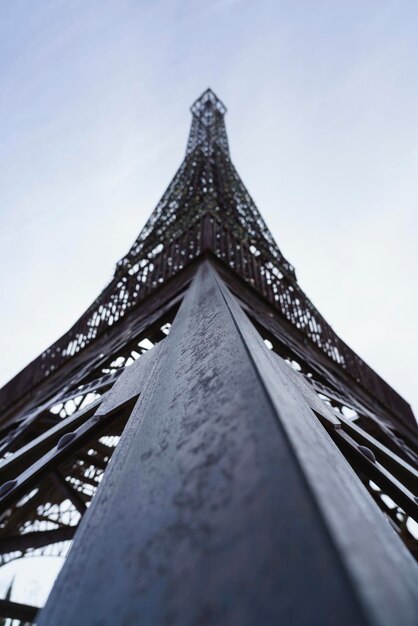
(205, 208)
(56, 438)
(55, 488)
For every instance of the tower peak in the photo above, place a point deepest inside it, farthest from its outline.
(208, 100)
(208, 126)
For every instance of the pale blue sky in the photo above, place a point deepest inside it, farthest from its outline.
(322, 101)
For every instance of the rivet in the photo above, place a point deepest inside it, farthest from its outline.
(6, 487)
(367, 453)
(65, 439)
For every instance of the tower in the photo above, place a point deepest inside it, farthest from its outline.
(265, 474)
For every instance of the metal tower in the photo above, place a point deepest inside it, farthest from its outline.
(265, 474)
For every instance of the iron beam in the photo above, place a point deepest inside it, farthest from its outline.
(226, 502)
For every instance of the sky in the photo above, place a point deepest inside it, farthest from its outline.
(322, 104)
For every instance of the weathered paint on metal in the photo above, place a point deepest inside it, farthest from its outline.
(206, 514)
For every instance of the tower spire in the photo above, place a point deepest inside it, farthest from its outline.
(206, 183)
(208, 126)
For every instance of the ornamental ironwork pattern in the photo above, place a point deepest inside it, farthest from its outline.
(58, 432)
(206, 207)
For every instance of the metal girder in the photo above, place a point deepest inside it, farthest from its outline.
(36, 539)
(404, 472)
(226, 501)
(66, 445)
(205, 208)
(402, 476)
(25, 457)
(71, 493)
(52, 469)
(15, 610)
(229, 499)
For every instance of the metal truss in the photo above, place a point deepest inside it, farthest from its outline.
(64, 414)
(206, 207)
(228, 493)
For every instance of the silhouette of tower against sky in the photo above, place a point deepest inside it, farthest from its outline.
(262, 473)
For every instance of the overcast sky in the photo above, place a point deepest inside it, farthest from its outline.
(322, 101)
